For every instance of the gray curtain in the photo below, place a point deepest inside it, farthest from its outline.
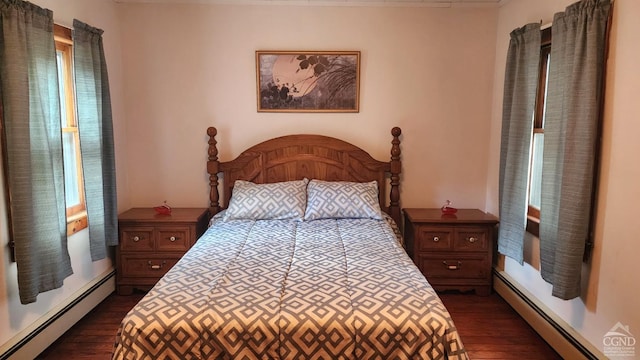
(574, 99)
(520, 84)
(32, 124)
(96, 137)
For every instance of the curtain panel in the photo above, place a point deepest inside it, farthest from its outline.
(33, 147)
(520, 84)
(95, 128)
(574, 100)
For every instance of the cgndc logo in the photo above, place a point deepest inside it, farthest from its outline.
(619, 341)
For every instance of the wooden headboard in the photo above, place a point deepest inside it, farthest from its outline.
(294, 157)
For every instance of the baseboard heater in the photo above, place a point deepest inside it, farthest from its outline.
(36, 340)
(566, 341)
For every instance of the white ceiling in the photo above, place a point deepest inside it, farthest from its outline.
(409, 3)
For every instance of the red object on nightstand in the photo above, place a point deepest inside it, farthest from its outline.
(447, 209)
(163, 209)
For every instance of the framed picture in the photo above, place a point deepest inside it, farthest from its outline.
(308, 81)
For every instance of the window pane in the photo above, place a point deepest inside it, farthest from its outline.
(536, 170)
(61, 89)
(546, 87)
(70, 170)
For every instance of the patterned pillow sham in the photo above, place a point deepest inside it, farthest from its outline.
(275, 201)
(342, 199)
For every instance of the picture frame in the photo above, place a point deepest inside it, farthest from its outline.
(308, 81)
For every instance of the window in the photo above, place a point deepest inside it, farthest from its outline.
(74, 189)
(568, 119)
(537, 143)
(43, 70)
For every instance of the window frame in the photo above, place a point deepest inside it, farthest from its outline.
(533, 213)
(76, 215)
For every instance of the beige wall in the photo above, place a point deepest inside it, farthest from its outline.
(15, 317)
(190, 66)
(176, 69)
(611, 288)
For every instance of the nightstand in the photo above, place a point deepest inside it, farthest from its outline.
(151, 243)
(454, 252)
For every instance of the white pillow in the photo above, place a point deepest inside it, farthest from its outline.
(275, 201)
(342, 199)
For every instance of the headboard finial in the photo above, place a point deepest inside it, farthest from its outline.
(213, 166)
(396, 168)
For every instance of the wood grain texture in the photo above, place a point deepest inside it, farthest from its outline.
(489, 327)
(93, 336)
(151, 243)
(294, 157)
(454, 252)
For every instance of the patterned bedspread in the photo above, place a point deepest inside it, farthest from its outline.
(277, 289)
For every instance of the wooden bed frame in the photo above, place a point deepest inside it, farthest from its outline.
(294, 157)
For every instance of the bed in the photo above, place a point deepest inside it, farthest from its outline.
(303, 260)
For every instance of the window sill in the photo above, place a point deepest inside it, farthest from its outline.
(533, 225)
(76, 222)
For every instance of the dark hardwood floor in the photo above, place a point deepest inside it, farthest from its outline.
(489, 327)
(93, 336)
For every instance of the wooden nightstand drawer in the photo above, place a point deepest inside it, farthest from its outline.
(471, 239)
(432, 239)
(452, 251)
(136, 239)
(453, 266)
(173, 239)
(142, 265)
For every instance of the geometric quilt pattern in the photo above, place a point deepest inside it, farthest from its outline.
(323, 289)
(283, 200)
(342, 199)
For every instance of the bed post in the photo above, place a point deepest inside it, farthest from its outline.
(212, 169)
(396, 165)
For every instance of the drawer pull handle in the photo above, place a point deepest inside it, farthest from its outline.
(136, 238)
(173, 238)
(472, 239)
(452, 267)
(436, 239)
(157, 266)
